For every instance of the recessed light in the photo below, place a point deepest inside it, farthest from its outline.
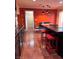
(34, 0)
(60, 2)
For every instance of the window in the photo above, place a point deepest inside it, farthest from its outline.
(60, 23)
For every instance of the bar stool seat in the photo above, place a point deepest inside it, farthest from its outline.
(50, 37)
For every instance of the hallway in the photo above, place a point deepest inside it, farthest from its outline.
(32, 48)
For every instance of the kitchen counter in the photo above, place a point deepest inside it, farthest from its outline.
(52, 31)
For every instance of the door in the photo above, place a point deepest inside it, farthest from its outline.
(29, 16)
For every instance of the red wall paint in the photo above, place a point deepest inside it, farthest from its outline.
(47, 17)
(38, 16)
(21, 18)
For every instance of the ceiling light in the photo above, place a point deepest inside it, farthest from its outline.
(60, 2)
(34, 0)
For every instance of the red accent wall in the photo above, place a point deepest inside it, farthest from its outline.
(45, 17)
(21, 18)
(38, 16)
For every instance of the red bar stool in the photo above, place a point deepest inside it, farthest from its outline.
(50, 37)
(51, 44)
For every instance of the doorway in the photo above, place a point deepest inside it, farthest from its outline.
(29, 18)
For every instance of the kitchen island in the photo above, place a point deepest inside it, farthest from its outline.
(53, 39)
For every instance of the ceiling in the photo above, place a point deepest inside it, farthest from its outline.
(40, 4)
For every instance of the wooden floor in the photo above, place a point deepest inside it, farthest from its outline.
(32, 48)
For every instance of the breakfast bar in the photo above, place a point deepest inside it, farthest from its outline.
(52, 38)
